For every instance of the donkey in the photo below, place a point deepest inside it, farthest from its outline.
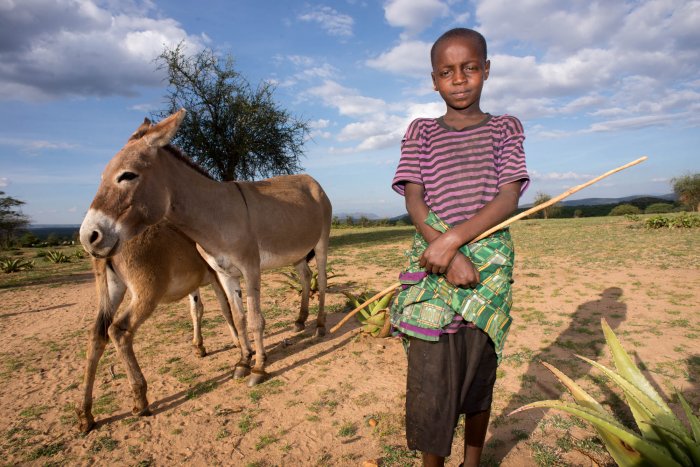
(240, 228)
(159, 265)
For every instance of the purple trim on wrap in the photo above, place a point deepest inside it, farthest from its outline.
(419, 330)
(411, 278)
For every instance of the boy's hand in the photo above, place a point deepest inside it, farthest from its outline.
(440, 252)
(462, 272)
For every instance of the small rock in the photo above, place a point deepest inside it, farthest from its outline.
(372, 422)
(370, 463)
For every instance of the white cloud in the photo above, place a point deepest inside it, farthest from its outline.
(558, 176)
(53, 48)
(4, 182)
(35, 145)
(331, 21)
(408, 57)
(414, 15)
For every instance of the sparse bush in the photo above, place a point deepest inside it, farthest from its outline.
(624, 209)
(658, 208)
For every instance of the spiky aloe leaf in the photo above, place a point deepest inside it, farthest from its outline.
(683, 447)
(692, 419)
(628, 370)
(638, 451)
(644, 409)
(383, 302)
(616, 448)
(353, 299)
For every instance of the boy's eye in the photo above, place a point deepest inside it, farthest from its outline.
(445, 73)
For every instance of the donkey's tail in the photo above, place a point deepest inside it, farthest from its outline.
(105, 309)
(310, 255)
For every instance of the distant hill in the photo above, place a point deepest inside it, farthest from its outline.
(64, 231)
(356, 215)
(648, 199)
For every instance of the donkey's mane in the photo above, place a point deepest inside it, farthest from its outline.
(180, 155)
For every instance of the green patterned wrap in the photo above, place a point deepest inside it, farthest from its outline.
(428, 303)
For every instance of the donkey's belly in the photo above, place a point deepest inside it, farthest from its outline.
(271, 260)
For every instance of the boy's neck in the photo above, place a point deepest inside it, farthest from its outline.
(460, 119)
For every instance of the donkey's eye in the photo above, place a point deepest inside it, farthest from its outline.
(126, 176)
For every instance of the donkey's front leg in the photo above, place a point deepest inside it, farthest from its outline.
(96, 347)
(197, 311)
(122, 333)
(257, 327)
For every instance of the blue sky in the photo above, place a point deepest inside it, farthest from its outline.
(596, 84)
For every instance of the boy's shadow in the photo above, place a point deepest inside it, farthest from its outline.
(584, 336)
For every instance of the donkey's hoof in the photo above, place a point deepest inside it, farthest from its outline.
(200, 350)
(145, 412)
(257, 377)
(298, 326)
(85, 421)
(320, 331)
(241, 370)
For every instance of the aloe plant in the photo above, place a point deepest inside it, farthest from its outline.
(9, 265)
(661, 438)
(55, 256)
(294, 281)
(375, 316)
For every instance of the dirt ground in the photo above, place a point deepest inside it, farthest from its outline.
(334, 401)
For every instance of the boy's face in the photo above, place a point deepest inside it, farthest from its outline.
(459, 72)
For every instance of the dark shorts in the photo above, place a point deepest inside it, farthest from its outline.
(445, 379)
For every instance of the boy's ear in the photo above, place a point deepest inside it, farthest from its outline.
(487, 69)
(432, 76)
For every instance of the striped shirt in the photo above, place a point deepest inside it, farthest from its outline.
(461, 170)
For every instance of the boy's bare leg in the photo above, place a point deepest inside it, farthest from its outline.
(475, 426)
(432, 460)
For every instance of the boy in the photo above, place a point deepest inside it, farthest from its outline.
(461, 174)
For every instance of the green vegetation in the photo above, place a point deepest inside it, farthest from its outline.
(661, 439)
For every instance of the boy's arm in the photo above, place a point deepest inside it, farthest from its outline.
(442, 249)
(459, 271)
(418, 211)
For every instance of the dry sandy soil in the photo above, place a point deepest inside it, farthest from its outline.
(338, 400)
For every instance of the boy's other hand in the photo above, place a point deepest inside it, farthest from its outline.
(462, 273)
(437, 257)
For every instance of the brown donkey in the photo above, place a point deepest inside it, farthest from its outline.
(240, 228)
(158, 266)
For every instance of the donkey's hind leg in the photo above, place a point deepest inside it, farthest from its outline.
(321, 251)
(197, 311)
(225, 308)
(304, 273)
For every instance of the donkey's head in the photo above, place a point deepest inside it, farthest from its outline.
(130, 196)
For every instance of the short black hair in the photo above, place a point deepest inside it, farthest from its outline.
(459, 32)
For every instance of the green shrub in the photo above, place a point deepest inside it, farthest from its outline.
(681, 221)
(623, 209)
(658, 208)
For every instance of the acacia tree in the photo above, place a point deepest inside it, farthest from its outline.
(687, 188)
(232, 130)
(549, 211)
(11, 219)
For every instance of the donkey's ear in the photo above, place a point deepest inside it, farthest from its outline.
(163, 132)
(141, 130)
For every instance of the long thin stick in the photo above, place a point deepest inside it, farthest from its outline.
(503, 224)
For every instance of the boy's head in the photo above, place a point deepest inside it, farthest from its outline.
(460, 68)
(465, 33)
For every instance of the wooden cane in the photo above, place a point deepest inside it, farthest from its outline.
(503, 224)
